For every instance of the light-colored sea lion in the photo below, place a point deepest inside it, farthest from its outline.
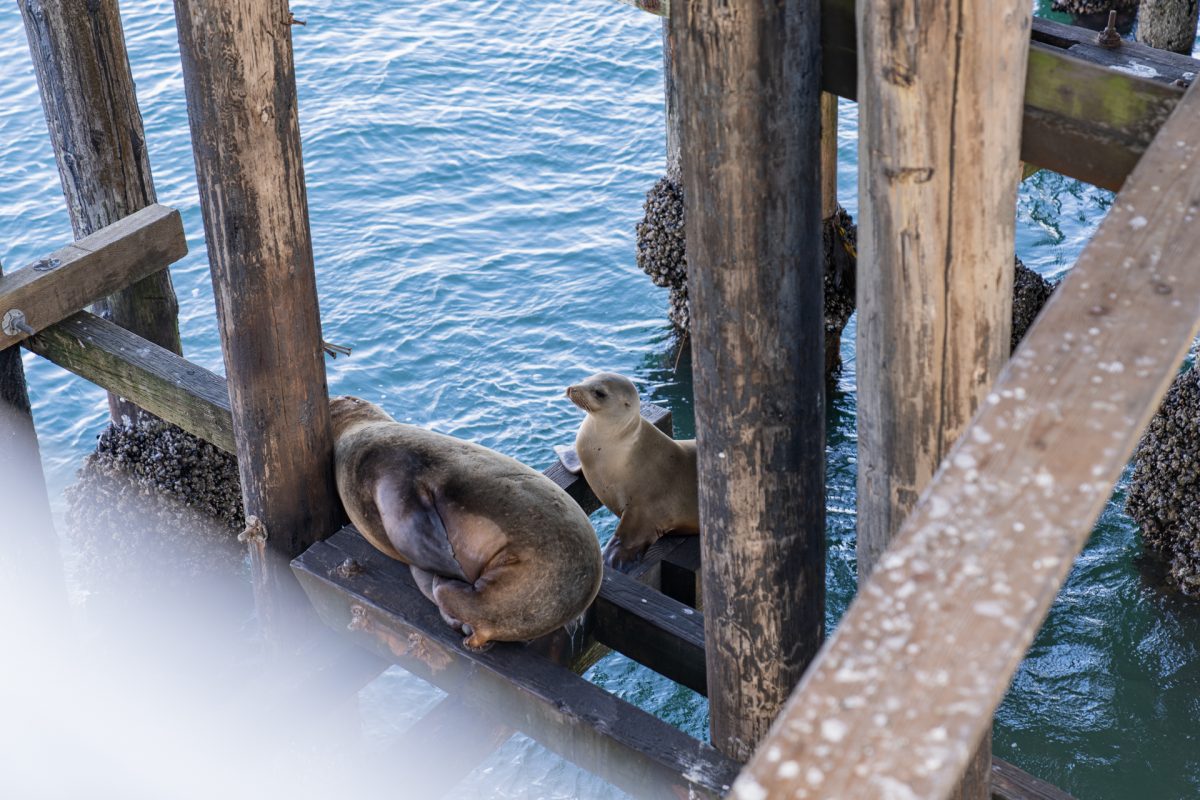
(642, 475)
(503, 552)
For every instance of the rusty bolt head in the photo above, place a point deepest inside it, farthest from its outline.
(1109, 37)
(348, 569)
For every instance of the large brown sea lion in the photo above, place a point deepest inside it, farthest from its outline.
(503, 552)
(642, 475)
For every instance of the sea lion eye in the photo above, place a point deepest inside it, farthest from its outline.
(600, 394)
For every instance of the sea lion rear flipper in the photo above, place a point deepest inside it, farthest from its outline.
(569, 458)
(415, 528)
(633, 535)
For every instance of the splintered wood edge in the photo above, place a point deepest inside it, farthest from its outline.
(899, 697)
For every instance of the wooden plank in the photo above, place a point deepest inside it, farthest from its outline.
(95, 126)
(55, 287)
(652, 629)
(899, 696)
(624, 745)
(154, 378)
(750, 103)
(1087, 121)
(1011, 783)
(1089, 113)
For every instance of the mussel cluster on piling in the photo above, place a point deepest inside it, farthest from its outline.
(1089, 7)
(660, 253)
(154, 497)
(1030, 293)
(1164, 491)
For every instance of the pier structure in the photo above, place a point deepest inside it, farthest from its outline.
(982, 476)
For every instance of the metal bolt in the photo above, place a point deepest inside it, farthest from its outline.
(255, 533)
(1109, 37)
(333, 350)
(348, 569)
(358, 619)
(14, 323)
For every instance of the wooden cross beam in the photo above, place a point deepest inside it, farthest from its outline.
(72, 277)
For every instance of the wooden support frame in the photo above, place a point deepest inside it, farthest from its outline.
(380, 604)
(241, 90)
(750, 109)
(897, 698)
(95, 126)
(30, 564)
(166, 385)
(1088, 113)
(100, 264)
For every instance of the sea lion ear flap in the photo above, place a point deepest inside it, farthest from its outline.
(415, 528)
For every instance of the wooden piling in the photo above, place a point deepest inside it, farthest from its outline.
(671, 103)
(96, 127)
(241, 91)
(829, 123)
(30, 562)
(750, 97)
(940, 89)
(1168, 24)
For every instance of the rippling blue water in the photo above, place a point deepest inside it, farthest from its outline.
(475, 171)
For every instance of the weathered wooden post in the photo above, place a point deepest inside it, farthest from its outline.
(1168, 24)
(671, 103)
(30, 565)
(940, 89)
(88, 95)
(750, 98)
(829, 125)
(241, 91)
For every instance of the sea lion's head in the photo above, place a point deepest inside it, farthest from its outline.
(606, 395)
(347, 411)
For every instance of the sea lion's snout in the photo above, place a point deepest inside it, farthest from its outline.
(577, 395)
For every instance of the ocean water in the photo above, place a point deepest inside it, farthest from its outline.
(475, 172)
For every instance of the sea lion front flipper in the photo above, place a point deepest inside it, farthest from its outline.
(414, 527)
(569, 458)
(427, 582)
(627, 546)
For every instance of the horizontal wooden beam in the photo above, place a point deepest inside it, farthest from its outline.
(72, 277)
(385, 611)
(651, 628)
(1090, 111)
(153, 377)
(901, 694)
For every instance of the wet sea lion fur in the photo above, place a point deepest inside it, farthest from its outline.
(503, 552)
